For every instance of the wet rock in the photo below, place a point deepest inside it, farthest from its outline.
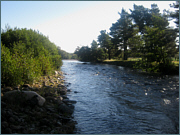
(68, 90)
(63, 108)
(69, 101)
(64, 97)
(65, 119)
(60, 85)
(62, 91)
(76, 92)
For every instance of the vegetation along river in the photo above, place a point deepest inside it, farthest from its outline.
(117, 100)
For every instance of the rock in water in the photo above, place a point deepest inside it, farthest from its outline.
(20, 97)
(63, 108)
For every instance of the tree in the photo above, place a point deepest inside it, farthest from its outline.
(175, 15)
(141, 17)
(105, 42)
(94, 50)
(84, 53)
(159, 47)
(121, 31)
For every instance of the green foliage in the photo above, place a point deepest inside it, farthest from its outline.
(66, 55)
(105, 42)
(145, 33)
(25, 56)
(122, 30)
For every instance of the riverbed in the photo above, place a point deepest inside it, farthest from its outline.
(117, 100)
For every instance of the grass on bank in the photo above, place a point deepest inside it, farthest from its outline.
(133, 63)
(176, 62)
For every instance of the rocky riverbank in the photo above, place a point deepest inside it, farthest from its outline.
(41, 108)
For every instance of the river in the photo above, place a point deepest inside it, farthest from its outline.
(117, 100)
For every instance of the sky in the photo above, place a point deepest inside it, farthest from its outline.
(69, 24)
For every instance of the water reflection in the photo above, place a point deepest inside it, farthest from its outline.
(116, 100)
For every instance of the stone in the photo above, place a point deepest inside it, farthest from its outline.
(26, 85)
(64, 97)
(6, 131)
(56, 72)
(69, 101)
(20, 97)
(63, 108)
(58, 100)
(4, 124)
(62, 91)
(51, 109)
(11, 119)
(16, 127)
(16, 88)
(3, 104)
(44, 122)
(68, 90)
(6, 89)
(76, 92)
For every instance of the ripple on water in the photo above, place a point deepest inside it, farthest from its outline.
(113, 100)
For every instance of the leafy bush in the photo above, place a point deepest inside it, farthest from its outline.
(25, 56)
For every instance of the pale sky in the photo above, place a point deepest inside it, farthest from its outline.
(69, 24)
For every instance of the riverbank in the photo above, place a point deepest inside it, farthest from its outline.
(41, 108)
(130, 64)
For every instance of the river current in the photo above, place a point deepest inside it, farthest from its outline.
(117, 100)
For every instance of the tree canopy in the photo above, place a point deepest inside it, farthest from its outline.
(143, 33)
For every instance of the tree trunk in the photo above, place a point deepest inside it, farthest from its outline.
(109, 53)
(125, 51)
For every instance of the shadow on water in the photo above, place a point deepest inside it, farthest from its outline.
(117, 100)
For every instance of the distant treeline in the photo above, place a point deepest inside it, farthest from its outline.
(143, 33)
(26, 55)
(66, 55)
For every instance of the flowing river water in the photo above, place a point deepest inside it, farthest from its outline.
(117, 100)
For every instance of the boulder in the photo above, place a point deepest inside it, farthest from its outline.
(21, 97)
(63, 108)
(4, 90)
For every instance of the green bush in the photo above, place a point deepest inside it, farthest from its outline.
(25, 56)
